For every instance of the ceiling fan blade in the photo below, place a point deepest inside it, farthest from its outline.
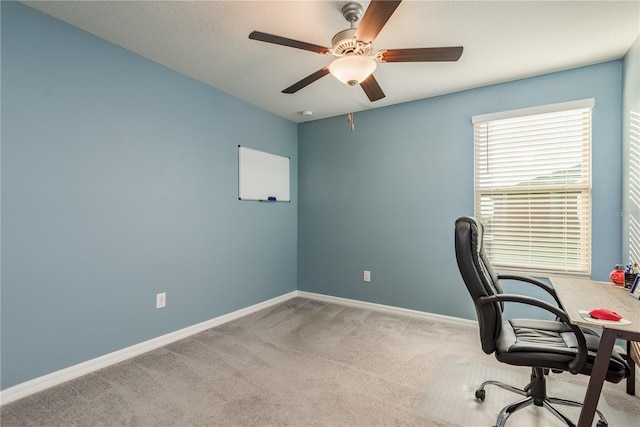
(372, 88)
(283, 41)
(374, 18)
(425, 54)
(307, 80)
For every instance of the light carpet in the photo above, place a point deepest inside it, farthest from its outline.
(299, 363)
(453, 402)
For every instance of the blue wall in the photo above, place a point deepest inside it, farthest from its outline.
(119, 181)
(386, 197)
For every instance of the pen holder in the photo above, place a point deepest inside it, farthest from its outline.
(629, 278)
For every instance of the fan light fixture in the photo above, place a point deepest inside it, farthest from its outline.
(352, 69)
(353, 65)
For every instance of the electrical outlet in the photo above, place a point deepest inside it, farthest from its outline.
(161, 300)
(366, 276)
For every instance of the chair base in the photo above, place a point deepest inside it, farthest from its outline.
(535, 393)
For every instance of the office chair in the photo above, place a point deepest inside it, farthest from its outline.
(542, 345)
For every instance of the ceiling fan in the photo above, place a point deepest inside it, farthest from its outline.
(352, 48)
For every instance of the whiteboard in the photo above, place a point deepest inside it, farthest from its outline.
(262, 176)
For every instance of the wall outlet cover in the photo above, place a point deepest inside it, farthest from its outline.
(161, 300)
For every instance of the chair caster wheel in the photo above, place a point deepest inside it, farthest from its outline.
(480, 394)
(602, 424)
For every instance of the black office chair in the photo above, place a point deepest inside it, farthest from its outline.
(542, 345)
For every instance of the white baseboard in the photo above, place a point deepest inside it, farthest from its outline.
(38, 384)
(387, 309)
(41, 383)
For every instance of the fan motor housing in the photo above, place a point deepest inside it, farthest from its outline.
(345, 43)
(352, 11)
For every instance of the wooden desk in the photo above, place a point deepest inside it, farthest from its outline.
(583, 294)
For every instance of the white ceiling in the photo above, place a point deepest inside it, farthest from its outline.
(503, 40)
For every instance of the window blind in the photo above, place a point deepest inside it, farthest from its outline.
(634, 187)
(533, 187)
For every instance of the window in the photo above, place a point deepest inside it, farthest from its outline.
(533, 187)
(634, 187)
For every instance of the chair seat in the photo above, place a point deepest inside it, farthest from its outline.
(551, 344)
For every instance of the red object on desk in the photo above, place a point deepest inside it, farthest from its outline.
(604, 314)
(617, 277)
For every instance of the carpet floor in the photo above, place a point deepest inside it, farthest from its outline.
(299, 363)
(454, 402)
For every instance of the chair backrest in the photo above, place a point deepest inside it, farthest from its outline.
(480, 279)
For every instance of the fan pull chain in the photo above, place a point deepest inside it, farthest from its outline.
(350, 115)
(350, 120)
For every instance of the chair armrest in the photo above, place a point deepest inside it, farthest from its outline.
(535, 282)
(577, 364)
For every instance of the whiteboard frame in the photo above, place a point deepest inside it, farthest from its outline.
(263, 176)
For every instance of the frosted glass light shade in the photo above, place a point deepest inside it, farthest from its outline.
(352, 68)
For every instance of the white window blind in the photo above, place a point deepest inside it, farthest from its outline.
(634, 187)
(533, 187)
